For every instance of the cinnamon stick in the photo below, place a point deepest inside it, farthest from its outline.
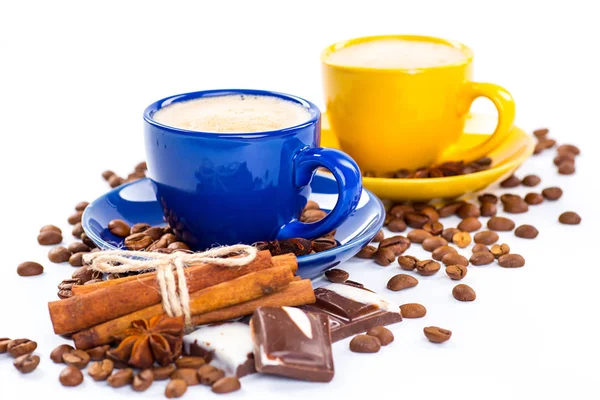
(83, 311)
(297, 293)
(225, 294)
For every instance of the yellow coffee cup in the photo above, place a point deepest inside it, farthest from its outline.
(399, 110)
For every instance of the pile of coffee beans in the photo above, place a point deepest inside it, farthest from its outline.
(22, 352)
(448, 168)
(565, 153)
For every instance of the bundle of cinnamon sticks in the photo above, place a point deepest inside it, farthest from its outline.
(100, 312)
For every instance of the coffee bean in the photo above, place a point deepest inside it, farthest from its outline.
(384, 257)
(430, 212)
(30, 268)
(47, 238)
(531, 180)
(416, 220)
(226, 385)
(397, 225)
(310, 216)
(107, 174)
(546, 143)
(59, 254)
(511, 261)
(26, 363)
(168, 237)
(408, 263)
(76, 260)
(499, 250)
(163, 373)
(569, 218)
(78, 247)
(142, 381)
(479, 247)
(566, 168)
(157, 244)
(462, 239)
(427, 267)
(500, 224)
(510, 182)
(456, 272)
(418, 235)
(516, 207)
(50, 228)
(318, 245)
(437, 335)
(175, 388)
(534, 198)
(138, 228)
(312, 205)
(450, 209)
(67, 284)
(564, 157)
(413, 310)
(336, 275)
(118, 227)
(75, 218)
(384, 335)
(70, 376)
(4, 345)
(120, 378)
(142, 166)
(115, 181)
(397, 244)
(76, 358)
(401, 281)
(379, 237)
(366, 252)
(57, 354)
(482, 258)
(64, 294)
(488, 198)
(88, 242)
(101, 370)
(399, 210)
(526, 232)
(449, 233)
(432, 243)
(468, 210)
(77, 230)
(19, 347)
(463, 292)
(98, 353)
(190, 362)
(84, 274)
(486, 237)
(138, 241)
(455, 258)
(568, 148)
(365, 344)
(435, 228)
(439, 253)
(541, 132)
(209, 374)
(552, 193)
(488, 210)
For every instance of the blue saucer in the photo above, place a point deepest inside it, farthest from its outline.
(135, 202)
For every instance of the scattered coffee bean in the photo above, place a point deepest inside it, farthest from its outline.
(336, 275)
(312, 205)
(499, 250)
(566, 168)
(469, 224)
(26, 363)
(190, 362)
(98, 353)
(384, 335)
(227, 384)
(138, 228)
(462, 239)
(366, 252)
(121, 378)
(482, 258)
(488, 198)
(456, 272)
(78, 247)
(448, 233)
(416, 220)
(408, 263)
(115, 181)
(142, 381)
(430, 212)
(488, 210)
(82, 205)
(569, 218)
(118, 227)
(399, 210)
(418, 235)
(500, 224)
(486, 237)
(107, 174)
(70, 376)
(365, 344)
(435, 228)
(552, 193)
(439, 253)
(455, 258)
(384, 257)
(539, 133)
(468, 210)
(463, 292)
(19, 347)
(510, 182)
(189, 375)
(84, 274)
(76, 358)
(75, 218)
(568, 148)
(48, 238)
(50, 228)
(76, 259)
(401, 281)
(516, 206)
(318, 245)
(397, 244)
(396, 225)
(175, 388)
(432, 243)
(564, 157)
(101, 370)
(450, 209)
(413, 310)
(208, 374)
(87, 241)
(163, 373)
(437, 335)
(4, 345)
(534, 198)
(138, 241)
(531, 180)
(511, 261)
(30, 268)
(479, 247)
(427, 267)
(526, 232)
(77, 230)
(59, 254)
(57, 354)
(379, 237)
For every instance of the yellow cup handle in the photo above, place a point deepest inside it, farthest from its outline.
(505, 105)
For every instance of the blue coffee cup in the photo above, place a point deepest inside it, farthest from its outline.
(230, 188)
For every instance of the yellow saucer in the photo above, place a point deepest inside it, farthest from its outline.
(506, 158)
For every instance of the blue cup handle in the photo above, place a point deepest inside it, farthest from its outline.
(349, 182)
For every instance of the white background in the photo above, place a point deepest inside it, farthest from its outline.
(75, 78)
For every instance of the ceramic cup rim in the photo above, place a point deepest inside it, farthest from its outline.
(363, 39)
(157, 105)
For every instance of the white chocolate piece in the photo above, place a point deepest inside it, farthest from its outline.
(300, 319)
(362, 296)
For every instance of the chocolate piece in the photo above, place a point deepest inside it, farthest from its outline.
(292, 343)
(352, 309)
(226, 346)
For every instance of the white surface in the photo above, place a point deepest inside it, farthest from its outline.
(75, 78)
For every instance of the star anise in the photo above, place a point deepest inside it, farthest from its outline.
(156, 339)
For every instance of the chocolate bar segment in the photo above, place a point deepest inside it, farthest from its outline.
(352, 309)
(227, 346)
(292, 343)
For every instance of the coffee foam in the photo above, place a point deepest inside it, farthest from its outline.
(397, 53)
(239, 113)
